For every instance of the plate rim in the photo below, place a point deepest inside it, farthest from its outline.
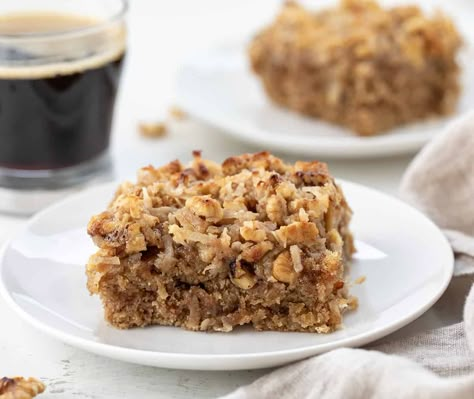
(219, 361)
(370, 149)
(350, 147)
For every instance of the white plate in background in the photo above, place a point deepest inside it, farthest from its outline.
(218, 87)
(406, 260)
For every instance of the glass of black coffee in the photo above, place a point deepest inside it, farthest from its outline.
(60, 67)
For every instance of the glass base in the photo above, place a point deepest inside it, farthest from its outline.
(26, 192)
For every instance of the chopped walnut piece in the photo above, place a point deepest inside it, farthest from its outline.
(206, 207)
(297, 233)
(303, 215)
(20, 388)
(283, 269)
(276, 209)
(312, 206)
(152, 130)
(253, 231)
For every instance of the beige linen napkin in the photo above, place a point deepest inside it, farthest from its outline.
(440, 182)
(434, 364)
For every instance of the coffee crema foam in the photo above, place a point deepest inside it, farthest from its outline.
(56, 44)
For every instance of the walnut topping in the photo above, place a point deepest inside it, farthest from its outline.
(206, 207)
(283, 269)
(297, 233)
(253, 231)
(286, 189)
(276, 209)
(314, 207)
(303, 216)
(20, 388)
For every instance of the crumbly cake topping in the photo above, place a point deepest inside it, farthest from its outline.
(243, 207)
(360, 29)
(253, 221)
(20, 388)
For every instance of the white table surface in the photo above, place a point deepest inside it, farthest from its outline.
(162, 33)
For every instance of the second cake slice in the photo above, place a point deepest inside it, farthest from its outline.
(360, 65)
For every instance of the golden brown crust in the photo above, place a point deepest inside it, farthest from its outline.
(20, 388)
(209, 247)
(360, 65)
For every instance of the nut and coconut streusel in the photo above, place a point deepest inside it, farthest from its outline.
(209, 247)
(360, 65)
(20, 388)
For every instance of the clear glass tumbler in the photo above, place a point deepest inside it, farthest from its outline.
(60, 67)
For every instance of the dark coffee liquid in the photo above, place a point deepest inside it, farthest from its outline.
(60, 119)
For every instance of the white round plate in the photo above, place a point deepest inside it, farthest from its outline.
(406, 260)
(218, 87)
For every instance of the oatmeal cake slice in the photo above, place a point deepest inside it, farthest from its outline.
(209, 247)
(360, 65)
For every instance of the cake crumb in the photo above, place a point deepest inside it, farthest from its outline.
(152, 129)
(360, 280)
(177, 113)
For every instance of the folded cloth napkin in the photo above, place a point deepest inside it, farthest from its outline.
(440, 182)
(434, 364)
